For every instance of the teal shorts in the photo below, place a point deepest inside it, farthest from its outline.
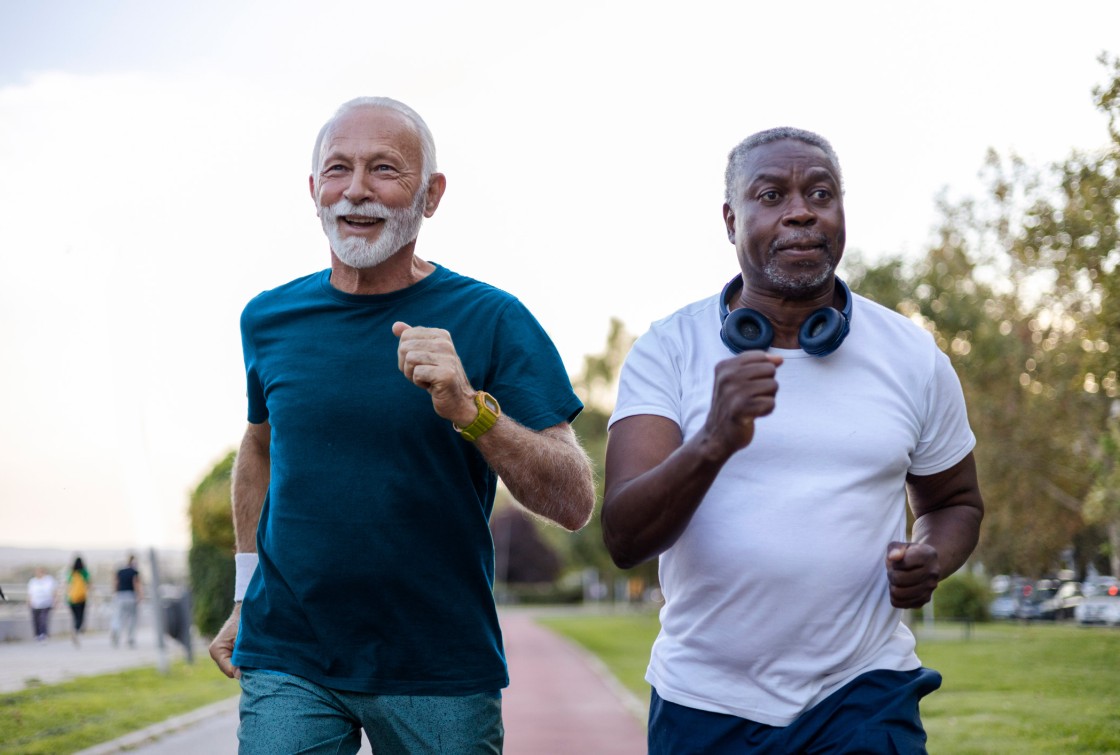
(281, 713)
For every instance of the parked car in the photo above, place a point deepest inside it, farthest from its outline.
(1100, 585)
(1018, 600)
(1100, 605)
(1060, 604)
(1003, 607)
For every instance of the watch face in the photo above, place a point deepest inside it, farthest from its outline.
(491, 404)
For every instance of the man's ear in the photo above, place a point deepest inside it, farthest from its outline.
(437, 184)
(729, 221)
(311, 188)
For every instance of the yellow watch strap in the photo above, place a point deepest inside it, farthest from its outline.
(488, 412)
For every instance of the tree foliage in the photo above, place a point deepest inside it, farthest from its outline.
(1021, 289)
(212, 548)
(597, 387)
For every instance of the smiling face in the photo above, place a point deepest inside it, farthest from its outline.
(786, 218)
(370, 191)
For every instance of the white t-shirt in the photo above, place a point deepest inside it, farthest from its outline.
(40, 591)
(776, 594)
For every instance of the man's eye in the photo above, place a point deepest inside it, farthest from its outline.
(769, 196)
(334, 169)
(384, 168)
(821, 194)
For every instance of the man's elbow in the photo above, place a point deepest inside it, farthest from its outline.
(620, 548)
(576, 516)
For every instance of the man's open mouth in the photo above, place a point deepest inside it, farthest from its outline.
(361, 221)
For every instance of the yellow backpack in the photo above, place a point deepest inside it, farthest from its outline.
(78, 588)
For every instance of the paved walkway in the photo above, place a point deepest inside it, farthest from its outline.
(560, 699)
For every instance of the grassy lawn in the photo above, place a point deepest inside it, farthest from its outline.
(1008, 688)
(1036, 688)
(71, 716)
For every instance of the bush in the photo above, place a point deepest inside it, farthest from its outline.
(212, 547)
(212, 578)
(962, 596)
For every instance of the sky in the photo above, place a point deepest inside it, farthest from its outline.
(154, 161)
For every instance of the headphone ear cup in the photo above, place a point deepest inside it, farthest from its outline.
(746, 329)
(823, 332)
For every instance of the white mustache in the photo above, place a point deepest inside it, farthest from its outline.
(344, 207)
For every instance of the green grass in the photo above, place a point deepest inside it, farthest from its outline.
(67, 717)
(1033, 689)
(1008, 688)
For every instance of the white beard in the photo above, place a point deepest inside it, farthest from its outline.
(399, 227)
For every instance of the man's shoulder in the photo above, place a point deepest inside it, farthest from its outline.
(465, 285)
(886, 319)
(294, 287)
(692, 315)
(475, 298)
(284, 295)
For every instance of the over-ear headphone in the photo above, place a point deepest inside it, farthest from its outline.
(821, 334)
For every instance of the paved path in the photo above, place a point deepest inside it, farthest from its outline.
(58, 660)
(560, 700)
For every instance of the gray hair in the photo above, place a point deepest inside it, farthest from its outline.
(427, 143)
(737, 159)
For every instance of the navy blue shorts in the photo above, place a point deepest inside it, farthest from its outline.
(876, 713)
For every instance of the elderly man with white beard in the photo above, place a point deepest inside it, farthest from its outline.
(366, 477)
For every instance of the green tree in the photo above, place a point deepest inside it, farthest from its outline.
(1021, 290)
(597, 387)
(212, 548)
(1102, 504)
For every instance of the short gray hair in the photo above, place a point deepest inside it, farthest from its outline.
(737, 159)
(427, 143)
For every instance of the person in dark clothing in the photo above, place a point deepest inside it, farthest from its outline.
(127, 594)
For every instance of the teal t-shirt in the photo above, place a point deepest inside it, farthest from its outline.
(376, 561)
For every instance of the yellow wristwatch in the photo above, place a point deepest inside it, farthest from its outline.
(488, 412)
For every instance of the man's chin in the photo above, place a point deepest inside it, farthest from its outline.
(362, 261)
(800, 281)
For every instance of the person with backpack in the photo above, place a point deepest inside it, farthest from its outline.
(77, 592)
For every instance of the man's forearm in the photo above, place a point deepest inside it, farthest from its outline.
(250, 484)
(645, 516)
(953, 532)
(548, 472)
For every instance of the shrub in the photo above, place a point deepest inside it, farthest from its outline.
(212, 548)
(962, 596)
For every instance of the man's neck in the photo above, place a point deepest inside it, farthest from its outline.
(400, 271)
(787, 315)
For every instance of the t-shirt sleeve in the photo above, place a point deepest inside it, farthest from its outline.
(527, 375)
(254, 391)
(649, 382)
(946, 437)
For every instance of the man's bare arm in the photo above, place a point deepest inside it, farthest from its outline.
(655, 481)
(548, 472)
(251, 473)
(948, 509)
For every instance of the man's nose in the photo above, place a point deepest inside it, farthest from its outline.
(799, 212)
(359, 189)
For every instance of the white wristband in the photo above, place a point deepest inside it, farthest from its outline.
(246, 565)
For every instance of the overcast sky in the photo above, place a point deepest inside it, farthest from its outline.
(154, 161)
